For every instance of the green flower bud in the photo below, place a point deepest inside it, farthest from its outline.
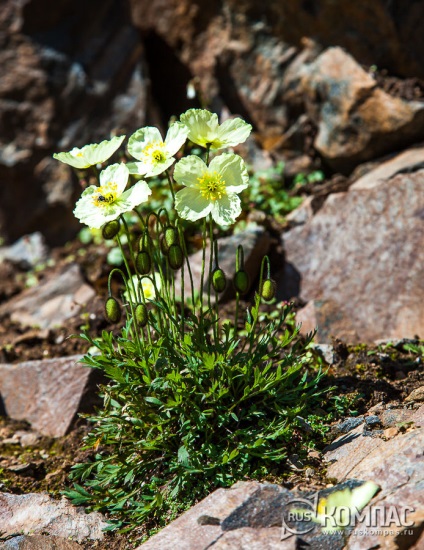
(170, 236)
(145, 243)
(241, 281)
(112, 310)
(143, 262)
(163, 246)
(141, 314)
(219, 280)
(110, 229)
(175, 256)
(268, 290)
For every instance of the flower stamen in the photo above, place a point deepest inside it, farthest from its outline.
(105, 195)
(155, 152)
(212, 186)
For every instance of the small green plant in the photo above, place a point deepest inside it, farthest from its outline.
(313, 177)
(266, 193)
(194, 401)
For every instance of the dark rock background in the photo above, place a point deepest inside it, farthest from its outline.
(75, 72)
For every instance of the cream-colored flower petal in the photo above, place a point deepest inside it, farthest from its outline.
(72, 159)
(233, 171)
(89, 155)
(138, 168)
(103, 151)
(115, 175)
(190, 204)
(226, 210)
(90, 214)
(202, 126)
(233, 131)
(135, 195)
(141, 139)
(175, 137)
(188, 171)
(157, 168)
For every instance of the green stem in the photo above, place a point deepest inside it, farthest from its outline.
(218, 328)
(211, 257)
(181, 236)
(131, 282)
(236, 314)
(202, 273)
(171, 185)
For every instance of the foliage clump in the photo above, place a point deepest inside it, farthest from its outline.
(194, 400)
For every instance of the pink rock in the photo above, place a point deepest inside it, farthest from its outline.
(357, 121)
(187, 532)
(359, 262)
(52, 302)
(48, 393)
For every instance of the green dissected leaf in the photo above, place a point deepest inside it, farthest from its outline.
(183, 457)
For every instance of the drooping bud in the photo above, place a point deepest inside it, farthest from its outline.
(163, 246)
(141, 314)
(268, 290)
(112, 310)
(143, 262)
(145, 243)
(170, 236)
(175, 256)
(110, 229)
(241, 281)
(219, 280)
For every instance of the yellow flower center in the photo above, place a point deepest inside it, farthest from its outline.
(105, 194)
(212, 186)
(154, 151)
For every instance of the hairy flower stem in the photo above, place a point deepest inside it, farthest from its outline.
(211, 258)
(131, 282)
(171, 185)
(236, 314)
(202, 273)
(182, 314)
(217, 318)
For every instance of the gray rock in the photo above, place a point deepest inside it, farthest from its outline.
(26, 252)
(50, 303)
(48, 393)
(326, 351)
(372, 421)
(347, 249)
(39, 542)
(38, 513)
(349, 424)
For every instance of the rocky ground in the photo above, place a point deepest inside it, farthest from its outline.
(334, 89)
(51, 295)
